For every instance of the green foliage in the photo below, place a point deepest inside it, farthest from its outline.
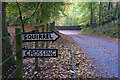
(110, 29)
(13, 12)
(47, 11)
(80, 13)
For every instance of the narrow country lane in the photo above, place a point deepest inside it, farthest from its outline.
(103, 52)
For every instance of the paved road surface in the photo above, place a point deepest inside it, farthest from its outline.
(103, 52)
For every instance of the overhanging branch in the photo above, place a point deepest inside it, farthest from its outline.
(19, 12)
(32, 14)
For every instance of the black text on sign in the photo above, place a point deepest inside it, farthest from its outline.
(40, 52)
(40, 36)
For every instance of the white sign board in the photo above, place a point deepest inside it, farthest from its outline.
(40, 36)
(40, 52)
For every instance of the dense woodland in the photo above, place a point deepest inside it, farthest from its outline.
(83, 13)
(60, 13)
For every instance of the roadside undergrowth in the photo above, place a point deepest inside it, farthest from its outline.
(109, 30)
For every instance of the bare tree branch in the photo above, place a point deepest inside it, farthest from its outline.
(32, 14)
(20, 16)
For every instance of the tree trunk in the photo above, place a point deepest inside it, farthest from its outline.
(20, 13)
(100, 8)
(116, 9)
(23, 27)
(119, 16)
(91, 11)
(102, 13)
(0, 39)
(6, 44)
(110, 14)
(109, 5)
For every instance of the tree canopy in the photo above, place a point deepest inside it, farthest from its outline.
(34, 12)
(76, 13)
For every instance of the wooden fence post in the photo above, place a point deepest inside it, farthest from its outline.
(36, 46)
(42, 31)
(19, 57)
(53, 25)
(50, 27)
(47, 31)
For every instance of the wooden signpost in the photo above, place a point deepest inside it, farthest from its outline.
(40, 36)
(37, 52)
